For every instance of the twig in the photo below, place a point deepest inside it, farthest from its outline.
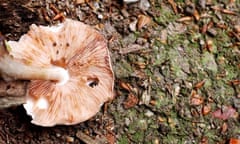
(174, 6)
(88, 140)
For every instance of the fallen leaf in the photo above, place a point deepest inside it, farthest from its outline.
(125, 86)
(196, 15)
(234, 141)
(174, 6)
(224, 127)
(110, 138)
(204, 140)
(79, 1)
(199, 84)
(131, 101)
(225, 113)
(143, 21)
(206, 109)
(209, 45)
(234, 82)
(195, 98)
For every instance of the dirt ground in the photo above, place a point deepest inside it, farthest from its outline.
(176, 65)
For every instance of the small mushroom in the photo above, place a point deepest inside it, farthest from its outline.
(69, 69)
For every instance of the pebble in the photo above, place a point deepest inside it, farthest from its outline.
(133, 26)
(100, 16)
(144, 5)
(58, 134)
(202, 3)
(149, 113)
(127, 121)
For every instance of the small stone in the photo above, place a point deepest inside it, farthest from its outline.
(190, 9)
(202, 3)
(100, 16)
(176, 90)
(127, 121)
(144, 5)
(58, 134)
(149, 113)
(133, 26)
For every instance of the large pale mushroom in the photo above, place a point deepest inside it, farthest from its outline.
(69, 68)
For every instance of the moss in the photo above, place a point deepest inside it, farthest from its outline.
(123, 140)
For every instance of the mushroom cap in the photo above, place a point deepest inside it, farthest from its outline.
(83, 52)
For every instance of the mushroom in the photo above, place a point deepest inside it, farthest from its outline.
(69, 69)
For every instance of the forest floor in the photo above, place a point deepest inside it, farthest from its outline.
(176, 65)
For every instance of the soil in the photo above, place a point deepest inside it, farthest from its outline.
(176, 65)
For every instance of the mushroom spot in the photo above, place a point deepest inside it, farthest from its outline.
(54, 44)
(57, 52)
(67, 44)
(92, 82)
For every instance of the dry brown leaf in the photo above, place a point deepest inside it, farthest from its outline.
(131, 101)
(209, 45)
(234, 82)
(143, 21)
(206, 109)
(174, 6)
(79, 1)
(199, 84)
(186, 18)
(226, 11)
(224, 127)
(204, 28)
(204, 140)
(125, 86)
(110, 138)
(234, 141)
(222, 26)
(195, 98)
(196, 15)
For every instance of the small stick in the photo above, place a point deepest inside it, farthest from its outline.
(174, 6)
(88, 140)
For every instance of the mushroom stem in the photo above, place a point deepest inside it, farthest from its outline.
(17, 70)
